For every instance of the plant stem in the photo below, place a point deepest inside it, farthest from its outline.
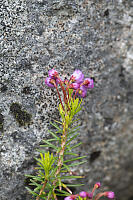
(59, 96)
(43, 187)
(99, 195)
(64, 92)
(61, 153)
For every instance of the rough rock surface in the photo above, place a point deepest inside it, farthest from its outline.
(94, 36)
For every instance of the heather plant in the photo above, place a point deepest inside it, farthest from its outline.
(90, 195)
(57, 155)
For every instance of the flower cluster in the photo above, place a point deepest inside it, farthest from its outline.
(89, 196)
(76, 82)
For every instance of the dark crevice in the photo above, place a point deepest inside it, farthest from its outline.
(106, 13)
(94, 155)
(130, 198)
(1, 122)
(3, 88)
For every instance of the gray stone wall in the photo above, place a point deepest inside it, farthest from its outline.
(93, 36)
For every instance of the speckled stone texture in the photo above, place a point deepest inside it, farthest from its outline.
(93, 36)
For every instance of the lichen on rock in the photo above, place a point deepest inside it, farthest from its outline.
(21, 116)
(1, 122)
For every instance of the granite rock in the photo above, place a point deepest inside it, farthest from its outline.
(93, 36)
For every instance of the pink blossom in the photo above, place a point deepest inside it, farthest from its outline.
(72, 197)
(53, 73)
(49, 82)
(74, 86)
(89, 195)
(98, 185)
(83, 194)
(77, 76)
(68, 198)
(110, 195)
(88, 83)
(82, 91)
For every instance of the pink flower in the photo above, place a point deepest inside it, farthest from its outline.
(89, 195)
(110, 195)
(82, 91)
(97, 185)
(49, 82)
(88, 83)
(83, 194)
(77, 76)
(74, 86)
(53, 73)
(72, 197)
(68, 198)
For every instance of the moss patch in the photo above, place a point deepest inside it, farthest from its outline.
(1, 122)
(21, 116)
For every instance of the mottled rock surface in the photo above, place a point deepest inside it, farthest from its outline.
(94, 36)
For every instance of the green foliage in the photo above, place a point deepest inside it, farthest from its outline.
(80, 198)
(53, 168)
(74, 106)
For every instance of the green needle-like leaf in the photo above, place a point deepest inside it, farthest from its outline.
(56, 126)
(49, 145)
(74, 185)
(54, 135)
(72, 138)
(73, 159)
(77, 163)
(32, 192)
(64, 193)
(69, 153)
(76, 145)
(71, 177)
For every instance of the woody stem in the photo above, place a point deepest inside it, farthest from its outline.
(43, 187)
(59, 95)
(98, 196)
(64, 93)
(61, 154)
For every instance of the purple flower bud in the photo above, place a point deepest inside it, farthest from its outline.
(74, 86)
(53, 73)
(77, 76)
(58, 80)
(49, 82)
(88, 83)
(68, 198)
(72, 197)
(110, 195)
(82, 91)
(83, 194)
(89, 195)
(98, 185)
